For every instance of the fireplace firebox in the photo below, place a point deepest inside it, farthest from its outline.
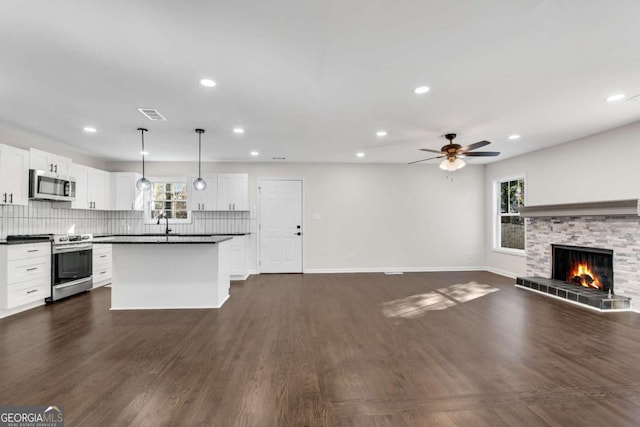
(581, 266)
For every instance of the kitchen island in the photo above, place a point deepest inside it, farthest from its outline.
(168, 272)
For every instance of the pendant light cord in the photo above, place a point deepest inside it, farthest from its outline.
(199, 154)
(142, 131)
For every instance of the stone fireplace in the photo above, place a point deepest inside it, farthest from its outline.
(609, 230)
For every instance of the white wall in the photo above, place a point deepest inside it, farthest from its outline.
(25, 139)
(605, 166)
(387, 216)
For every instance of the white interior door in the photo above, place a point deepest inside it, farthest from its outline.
(280, 226)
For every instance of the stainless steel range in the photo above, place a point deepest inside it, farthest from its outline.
(71, 265)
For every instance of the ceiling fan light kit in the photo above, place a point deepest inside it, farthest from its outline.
(452, 153)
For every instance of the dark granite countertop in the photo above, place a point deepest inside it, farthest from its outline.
(22, 242)
(171, 235)
(162, 239)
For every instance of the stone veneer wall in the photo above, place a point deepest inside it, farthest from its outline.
(620, 234)
(40, 217)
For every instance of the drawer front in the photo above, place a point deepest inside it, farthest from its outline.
(29, 251)
(101, 258)
(22, 270)
(101, 249)
(101, 275)
(34, 290)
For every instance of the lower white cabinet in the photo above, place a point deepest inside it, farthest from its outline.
(239, 251)
(102, 262)
(25, 274)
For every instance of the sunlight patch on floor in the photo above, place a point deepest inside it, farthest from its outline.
(417, 305)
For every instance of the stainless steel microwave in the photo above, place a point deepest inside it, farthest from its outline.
(51, 186)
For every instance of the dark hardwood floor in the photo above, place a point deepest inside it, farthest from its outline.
(419, 349)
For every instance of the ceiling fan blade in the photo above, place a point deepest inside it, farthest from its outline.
(424, 160)
(473, 146)
(481, 154)
(431, 151)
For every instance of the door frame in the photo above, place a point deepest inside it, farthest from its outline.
(259, 181)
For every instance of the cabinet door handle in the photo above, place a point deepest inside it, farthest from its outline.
(32, 269)
(198, 206)
(103, 272)
(131, 206)
(56, 171)
(229, 206)
(11, 198)
(51, 167)
(103, 256)
(32, 291)
(4, 200)
(33, 250)
(203, 206)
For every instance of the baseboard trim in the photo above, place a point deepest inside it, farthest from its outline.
(390, 270)
(502, 272)
(10, 312)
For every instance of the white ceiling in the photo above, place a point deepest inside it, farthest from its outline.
(314, 80)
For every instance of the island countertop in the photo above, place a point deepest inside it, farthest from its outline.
(162, 239)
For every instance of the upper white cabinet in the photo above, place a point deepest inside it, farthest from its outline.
(233, 192)
(125, 194)
(14, 175)
(92, 188)
(41, 160)
(205, 200)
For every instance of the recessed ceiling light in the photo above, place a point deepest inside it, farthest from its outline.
(238, 131)
(421, 89)
(89, 129)
(381, 133)
(207, 83)
(360, 154)
(514, 136)
(254, 153)
(616, 97)
(144, 153)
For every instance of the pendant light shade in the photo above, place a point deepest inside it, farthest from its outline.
(143, 183)
(199, 184)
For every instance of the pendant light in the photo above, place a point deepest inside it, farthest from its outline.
(143, 183)
(199, 184)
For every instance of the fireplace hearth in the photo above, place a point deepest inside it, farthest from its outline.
(590, 268)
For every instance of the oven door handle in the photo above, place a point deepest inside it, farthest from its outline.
(74, 248)
(74, 283)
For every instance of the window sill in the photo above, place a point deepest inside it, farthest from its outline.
(516, 252)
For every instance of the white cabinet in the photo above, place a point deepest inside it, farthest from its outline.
(102, 264)
(25, 274)
(92, 188)
(239, 252)
(233, 192)
(125, 194)
(14, 175)
(48, 162)
(205, 200)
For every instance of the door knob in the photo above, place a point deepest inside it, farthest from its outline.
(298, 234)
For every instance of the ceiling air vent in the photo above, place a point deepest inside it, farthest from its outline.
(152, 114)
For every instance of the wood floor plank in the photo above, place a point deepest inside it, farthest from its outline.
(455, 348)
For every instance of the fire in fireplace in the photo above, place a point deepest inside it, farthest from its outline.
(588, 267)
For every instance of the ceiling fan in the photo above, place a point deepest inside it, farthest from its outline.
(453, 153)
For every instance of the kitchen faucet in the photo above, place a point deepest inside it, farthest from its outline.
(167, 230)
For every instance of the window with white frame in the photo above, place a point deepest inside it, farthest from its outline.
(510, 227)
(167, 198)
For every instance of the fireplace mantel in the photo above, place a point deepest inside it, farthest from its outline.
(606, 208)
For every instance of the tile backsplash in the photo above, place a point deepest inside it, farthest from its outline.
(40, 217)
